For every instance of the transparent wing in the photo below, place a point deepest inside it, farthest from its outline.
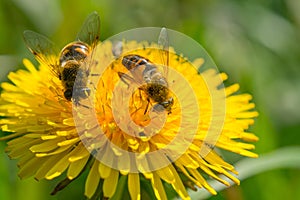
(90, 30)
(42, 48)
(163, 43)
(117, 49)
(127, 79)
(131, 78)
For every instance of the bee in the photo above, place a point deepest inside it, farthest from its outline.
(70, 60)
(153, 82)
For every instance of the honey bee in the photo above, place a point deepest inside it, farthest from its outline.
(71, 57)
(153, 82)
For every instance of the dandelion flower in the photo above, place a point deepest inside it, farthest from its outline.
(52, 138)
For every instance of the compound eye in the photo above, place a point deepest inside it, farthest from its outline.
(68, 94)
(143, 62)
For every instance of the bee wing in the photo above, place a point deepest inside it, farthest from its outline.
(127, 79)
(89, 34)
(163, 43)
(117, 48)
(42, 48)
(90, 30)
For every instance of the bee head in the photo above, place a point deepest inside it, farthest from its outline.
(132, 61)
(162, 106)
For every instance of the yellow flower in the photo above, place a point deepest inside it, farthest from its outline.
(116, 136)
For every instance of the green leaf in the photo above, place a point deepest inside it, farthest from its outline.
(287, 157)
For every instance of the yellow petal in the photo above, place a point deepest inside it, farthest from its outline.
(76, 167)
(49, 137)
(30, 167)
(58, 168)
(166, 174)
(46, 145)
(19, 150)
(249, 137)
(55, 152)
(203, 182)
(78, 153)
(46, 166)
(158, 187)
(104, 171)
(178, 185)
(188, 162)
(69, 142)
(69, 122)
(134, 186)
(92, 180)
(110, 183)
(9, 87)
(231, 89)
(29, 66)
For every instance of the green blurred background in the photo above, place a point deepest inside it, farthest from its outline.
(256, 42)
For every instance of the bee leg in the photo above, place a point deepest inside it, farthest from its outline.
(141, 98)
(77, 103)
(211, 146)
(126, 78)
(81, 94)
(148, 100)
(95, 74)
(92, 84)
